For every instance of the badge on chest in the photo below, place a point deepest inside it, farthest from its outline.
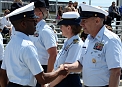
(98, 46)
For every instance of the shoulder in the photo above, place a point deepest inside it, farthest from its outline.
(112, 37)
(22, 42)
(47, 29)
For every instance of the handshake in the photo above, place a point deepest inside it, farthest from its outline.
(63, 70)
(62, 73)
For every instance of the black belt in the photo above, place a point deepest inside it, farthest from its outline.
(11, 84)
(97, 86)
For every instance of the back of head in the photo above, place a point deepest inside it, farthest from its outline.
(15, 6)
(18, 1)
(6, 12)
(41, 3)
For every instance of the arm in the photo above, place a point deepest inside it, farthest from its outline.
(110, 9)
(114, 77)
(44, 78)
(3, 78)
(74, 67)
(53, 53)
(57, 80)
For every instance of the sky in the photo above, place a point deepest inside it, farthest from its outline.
(102, 3)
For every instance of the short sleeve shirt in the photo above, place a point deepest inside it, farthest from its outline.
(99, 55)
(21, 60)
(5, 22)
(70, 52)
(45, 40)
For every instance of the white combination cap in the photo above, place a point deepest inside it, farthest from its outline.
(70, 15)
(87, 11)
(70, 18)
(26, 11)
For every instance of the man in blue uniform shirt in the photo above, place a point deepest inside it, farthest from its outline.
(21, 66)
(101, 57)
(45, 40)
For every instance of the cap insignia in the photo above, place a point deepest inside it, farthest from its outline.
(24, 16)
(95, 15)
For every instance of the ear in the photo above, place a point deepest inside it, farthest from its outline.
(97, 20)
(23, 24)
(69, 27)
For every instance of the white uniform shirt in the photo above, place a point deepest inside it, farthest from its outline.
(21, 60)
(45, 40)
(5, 22)
(1, 47)
(99, 55)
(70, 51)
(13, 31)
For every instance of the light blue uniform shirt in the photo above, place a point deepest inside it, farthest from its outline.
(45, 40)
(21, 60)
(70, 52)
(99, 55)
(1, 47)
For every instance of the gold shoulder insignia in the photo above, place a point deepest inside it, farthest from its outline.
(75, 41)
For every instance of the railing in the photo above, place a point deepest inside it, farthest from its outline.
(61, 38)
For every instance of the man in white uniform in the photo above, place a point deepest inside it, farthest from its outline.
(101, 57)
(45, 42)
(21, 65)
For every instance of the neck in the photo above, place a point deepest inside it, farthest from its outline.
(96, 31)
(70, 36)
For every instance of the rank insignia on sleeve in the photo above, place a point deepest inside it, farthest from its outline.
(98, 46)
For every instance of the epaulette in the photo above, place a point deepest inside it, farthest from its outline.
(75, 41)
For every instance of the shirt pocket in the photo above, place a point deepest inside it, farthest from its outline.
(97, 58)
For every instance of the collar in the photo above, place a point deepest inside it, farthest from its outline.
(40, 23)
(69, 41)
(21, 35)
(99, 35)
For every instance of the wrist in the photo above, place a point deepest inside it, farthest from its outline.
(48, 85)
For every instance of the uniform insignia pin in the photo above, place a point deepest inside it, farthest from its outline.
(93, 60)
